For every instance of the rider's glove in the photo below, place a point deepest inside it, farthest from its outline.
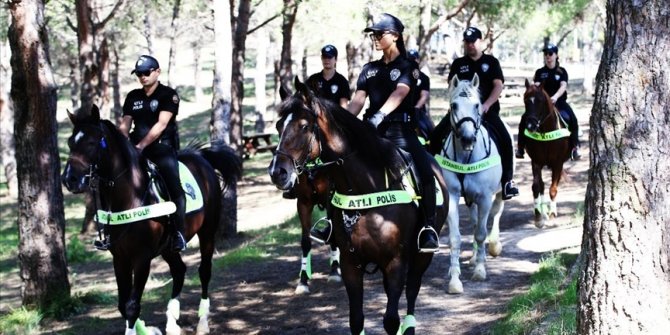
(376, 119)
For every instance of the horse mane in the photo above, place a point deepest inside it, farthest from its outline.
(130, 154)
(371, 148)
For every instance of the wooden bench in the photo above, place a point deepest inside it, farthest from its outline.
(258, 142)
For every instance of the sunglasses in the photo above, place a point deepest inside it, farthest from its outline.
(378, 35)
(143, 73)
(548, 53)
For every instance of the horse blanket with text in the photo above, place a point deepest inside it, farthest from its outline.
(192, 194)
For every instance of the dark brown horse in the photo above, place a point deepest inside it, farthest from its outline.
(363, 169)
(547, 144)
(103, 162)
(312, 189)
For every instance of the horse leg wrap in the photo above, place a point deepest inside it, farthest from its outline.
(409, 322)
(203, 314)
(140, 328)
(173, 309)
(204, 308)
(306, 265)
(172, 316)
(334, 256)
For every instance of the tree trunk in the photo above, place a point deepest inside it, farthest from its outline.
(173, 41)
(624, 287)
(117, 109)
(7, 152)
(197, 89)
(74, 84)
(148, 27)
(220, 119)
(103, 73)
(261, 77)
(41, 221)
(286, 63)
(88, 63)
(237, 78)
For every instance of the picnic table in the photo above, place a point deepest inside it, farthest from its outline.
(258, 142)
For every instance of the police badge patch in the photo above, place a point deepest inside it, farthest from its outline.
(395, 73)
(558, 77)
(333, 89)
(485, 67)
(415, 73)
(153, 105)
(175, 99)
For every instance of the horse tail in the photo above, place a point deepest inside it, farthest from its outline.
(225, 160)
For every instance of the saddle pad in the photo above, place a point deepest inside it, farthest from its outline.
(192, 191)
(135, 214)
(456, 167)
(550, 136)
(410, 187)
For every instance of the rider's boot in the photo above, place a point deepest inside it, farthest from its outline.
(510, 190)
(575, 155)
(519, 152)
(321, 232)
(178, 240)
(428, 238)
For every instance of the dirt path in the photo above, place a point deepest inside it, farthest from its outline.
(259, 298)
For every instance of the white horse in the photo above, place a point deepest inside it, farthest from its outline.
(471, 166)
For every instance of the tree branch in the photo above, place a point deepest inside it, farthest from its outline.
(102, 23)
(262, 24)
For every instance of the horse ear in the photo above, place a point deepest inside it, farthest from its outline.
(284, 92)
(527, 83)
(71, 116)
(475, 81)
(95, 113)
(454, 81)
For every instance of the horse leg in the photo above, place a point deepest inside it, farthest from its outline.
(474, 216)
(177, 271)
(205, 272)
(484, 208)
(556, 173)
(133, 306)
(335, 276)
(455, 285)
(495, 246)
(305, 208)
(124, 277)
(538, 194)
(414, 275)
(394, 281)
(353, 282)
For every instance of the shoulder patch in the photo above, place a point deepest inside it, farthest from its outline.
(175, 99)
(415, 73)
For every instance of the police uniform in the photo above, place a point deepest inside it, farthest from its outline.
(333, 90)
(145, 112)
(379, 80)
(551, 81)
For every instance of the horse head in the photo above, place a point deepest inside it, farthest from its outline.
(86, 144)
(298, 135)
(538, 106)
(466, 111)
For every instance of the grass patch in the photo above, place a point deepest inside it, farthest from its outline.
(546, 296)
(77, 252)
(21, 321)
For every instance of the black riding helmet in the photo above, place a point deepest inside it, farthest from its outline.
(386, 22)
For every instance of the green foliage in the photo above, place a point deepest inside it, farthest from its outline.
(78, 252)
(63, 306)
(544, 296)
(21, 321)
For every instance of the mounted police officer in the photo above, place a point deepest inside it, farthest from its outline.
(389, 83)
(491, 81)
(152, 111)
(425, 124)
(328, 83)
(554, 80)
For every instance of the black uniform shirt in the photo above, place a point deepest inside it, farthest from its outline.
(487, 68)
(334, 89)
(379, 80)
(423, 84)
(551, 80)
(145, 109)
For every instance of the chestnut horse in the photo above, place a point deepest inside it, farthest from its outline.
(374, 219)
(547, 144)
(104, 162)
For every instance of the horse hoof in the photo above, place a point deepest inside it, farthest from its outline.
(173, 330)
(203, 328)
(473, 260)
(495, 249)
(302, 289)
(455, 286)
(154, 331)
(479, 273)
(335, 278)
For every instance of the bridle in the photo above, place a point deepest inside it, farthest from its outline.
(457, 123)
(540, 121)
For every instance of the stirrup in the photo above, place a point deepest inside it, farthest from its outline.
(321, 235)
(574, 154)
(178, 242)
(519, 153)
(432, 231)
(102, 245)
(513, 190)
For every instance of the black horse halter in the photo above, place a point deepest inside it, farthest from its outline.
(457, 123)
(93, 175)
